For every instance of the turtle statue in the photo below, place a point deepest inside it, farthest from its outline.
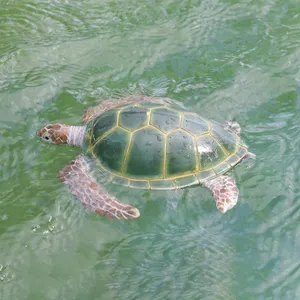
(147, 143)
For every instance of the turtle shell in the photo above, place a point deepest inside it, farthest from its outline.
(152, 146)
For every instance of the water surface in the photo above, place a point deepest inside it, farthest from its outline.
(222, 59)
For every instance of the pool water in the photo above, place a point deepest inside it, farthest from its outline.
(224, 60)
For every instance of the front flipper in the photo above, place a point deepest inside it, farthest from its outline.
(225, 192)
(91, 194)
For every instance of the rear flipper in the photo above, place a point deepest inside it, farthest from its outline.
(225, 192)
(233, 127)
(91, 194)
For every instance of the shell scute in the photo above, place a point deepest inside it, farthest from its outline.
(111, 149)
(226, 138)
(165, 119)
(186, 181)
(222, 168)
(204, 175)
(180, 154)
(133, 117)
(209, 151)
(102, 125)
(194, 124)
(163, 184)
(146, 154)
(241, 152)
(139, 184)
(233, 160)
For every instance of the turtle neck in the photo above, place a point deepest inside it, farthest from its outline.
(76, 135)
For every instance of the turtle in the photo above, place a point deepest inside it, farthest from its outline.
(150, 143)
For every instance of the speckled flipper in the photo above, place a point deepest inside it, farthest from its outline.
(105, 105)
(91, 194)
(225, 192)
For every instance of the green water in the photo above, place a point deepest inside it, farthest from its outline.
(222, 59)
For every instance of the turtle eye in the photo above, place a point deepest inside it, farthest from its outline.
(46, 136)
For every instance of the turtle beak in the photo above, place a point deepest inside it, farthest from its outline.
(39, 133)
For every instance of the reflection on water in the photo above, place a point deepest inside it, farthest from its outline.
(223, 60)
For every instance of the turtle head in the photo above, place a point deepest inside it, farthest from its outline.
(62, 134)
(54, 133)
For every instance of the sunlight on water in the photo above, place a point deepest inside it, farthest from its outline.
(236, 60)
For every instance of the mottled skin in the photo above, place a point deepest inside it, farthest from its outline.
(77, 176)
(56, 133)
(225, 192)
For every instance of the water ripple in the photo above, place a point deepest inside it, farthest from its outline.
(222, 60)
(171, 276)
